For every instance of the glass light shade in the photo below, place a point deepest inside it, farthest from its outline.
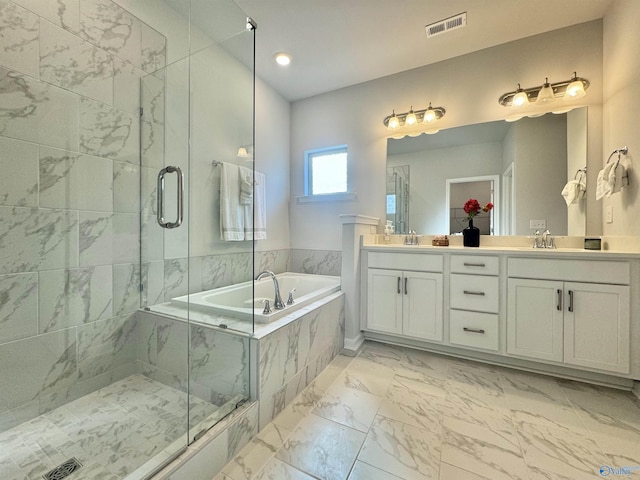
(520, 99)
(575, 90)
(545, 95)
(430, 115)
(432, 131)
(242, 152)
(411, 118)
(394, 122)
(513, 118)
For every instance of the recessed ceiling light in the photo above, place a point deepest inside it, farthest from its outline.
(282, 58)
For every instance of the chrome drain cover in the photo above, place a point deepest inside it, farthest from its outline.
(63, 470)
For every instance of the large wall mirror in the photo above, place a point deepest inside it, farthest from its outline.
(530, 161)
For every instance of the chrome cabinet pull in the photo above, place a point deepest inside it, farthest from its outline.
(470, 292)
(473, 330)
(570, 301)
(474, 264)
(160, 197)
(406, 292)
(559, 305)
(398, 285)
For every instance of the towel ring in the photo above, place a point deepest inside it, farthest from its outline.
(580, 173)
(620, 151)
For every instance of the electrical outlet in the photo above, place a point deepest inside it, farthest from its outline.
(609, 214)
(537, 224)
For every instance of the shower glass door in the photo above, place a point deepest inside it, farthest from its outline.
(196, 113)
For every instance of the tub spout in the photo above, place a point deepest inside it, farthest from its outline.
(278, 304)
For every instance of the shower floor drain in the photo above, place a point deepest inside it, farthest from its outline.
(63, 470)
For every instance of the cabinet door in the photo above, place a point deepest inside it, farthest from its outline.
(384, 300)
(534, 319)
(422, 305)
(596, 326)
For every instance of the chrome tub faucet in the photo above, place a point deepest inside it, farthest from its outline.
(278, 304)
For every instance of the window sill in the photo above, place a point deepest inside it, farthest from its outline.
(329, 197)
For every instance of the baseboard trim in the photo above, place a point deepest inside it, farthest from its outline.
(354, 344)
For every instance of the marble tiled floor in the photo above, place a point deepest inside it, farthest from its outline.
(394, 413)
(111, 431)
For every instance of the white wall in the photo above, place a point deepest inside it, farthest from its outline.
(273, 125)
(467, 86)
(621, 111)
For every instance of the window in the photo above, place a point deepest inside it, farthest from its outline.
(325, 171)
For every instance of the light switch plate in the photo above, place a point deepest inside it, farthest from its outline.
(609, 214)
(537, 224)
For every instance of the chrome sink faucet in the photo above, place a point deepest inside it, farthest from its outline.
(547, 240)
(411, 239)
(278, 304)
(537, 240)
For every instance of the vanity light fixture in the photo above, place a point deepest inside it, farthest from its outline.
(547, 93)
(520, 99)
(428, 115)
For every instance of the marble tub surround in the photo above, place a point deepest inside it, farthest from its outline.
(216, 369)
(291, 352)
(69, 238)
(319, 262)
(442, 418)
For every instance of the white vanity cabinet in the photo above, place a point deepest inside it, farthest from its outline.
(404, 295)
(575, 312)
(474, 299)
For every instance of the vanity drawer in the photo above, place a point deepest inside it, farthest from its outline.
(593, 271)
(406, 261)
(474, 292)
(473, 329)
(475, 265)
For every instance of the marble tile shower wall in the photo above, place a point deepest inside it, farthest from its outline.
(69, 220)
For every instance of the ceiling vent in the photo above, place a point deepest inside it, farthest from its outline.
(446, 25)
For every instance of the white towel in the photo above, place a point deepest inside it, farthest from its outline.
(603, 185)
(246, 186)
(231, 212)
(615, 177)
(574, 190)
(255, 219)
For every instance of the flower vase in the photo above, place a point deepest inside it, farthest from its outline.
(471, 235)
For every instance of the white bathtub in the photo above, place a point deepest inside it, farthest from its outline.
(237, 300)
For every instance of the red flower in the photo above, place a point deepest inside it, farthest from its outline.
(473, 208)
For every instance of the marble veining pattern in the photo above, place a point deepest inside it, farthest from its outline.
(112, 431)
(19, 164)
(64, 13)
(19, 30)
(320, 262)
(443, 418)
(72, 63)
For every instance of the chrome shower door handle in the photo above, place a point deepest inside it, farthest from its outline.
(179, 200)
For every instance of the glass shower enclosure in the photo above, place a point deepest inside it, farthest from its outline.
(114, 118)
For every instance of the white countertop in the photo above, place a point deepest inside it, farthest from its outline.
(567, 246)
